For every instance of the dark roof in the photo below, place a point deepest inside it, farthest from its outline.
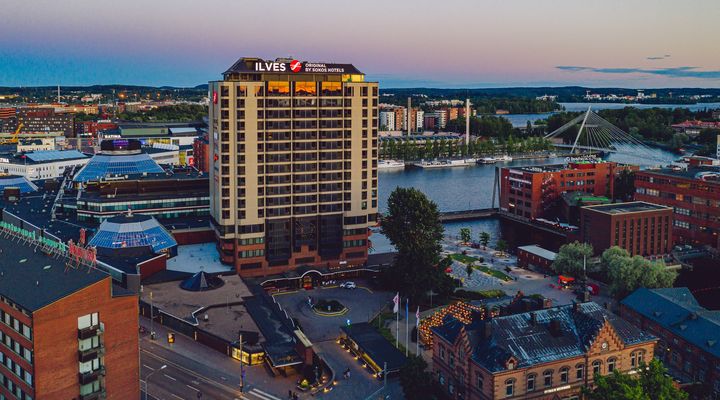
(677, 310)
(535, 343)
(685, 173)
(202, 281)
(375, 345)
(247, 65)
(33, 280)
(277, 330)
(630, 207)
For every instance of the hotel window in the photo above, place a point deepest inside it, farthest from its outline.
(611, 364)
(564, 373)
(509, 387)
(531, 382)
(305, 89)
(331, 88)
(579, 369)
(547, 378)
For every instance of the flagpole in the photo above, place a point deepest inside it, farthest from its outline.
(397, 326)
(417, 332)
(407, 328)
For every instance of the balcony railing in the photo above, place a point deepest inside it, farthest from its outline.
(100, 394)
(88, 355)
(87, 333)
(88, 377)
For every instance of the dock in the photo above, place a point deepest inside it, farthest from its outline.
(467, 215)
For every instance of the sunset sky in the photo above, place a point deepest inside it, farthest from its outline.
(446, 43)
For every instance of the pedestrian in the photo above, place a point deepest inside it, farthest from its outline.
(290, 394)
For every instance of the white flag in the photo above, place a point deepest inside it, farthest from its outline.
(396, 300)
(417, 316)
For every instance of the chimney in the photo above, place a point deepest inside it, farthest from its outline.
(576, 306)
(533, 319)
(555, 328)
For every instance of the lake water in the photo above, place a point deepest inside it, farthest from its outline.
(520, 120)
(465, 188)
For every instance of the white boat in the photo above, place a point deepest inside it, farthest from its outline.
(443, 163)
(493, 160)
(390, 164)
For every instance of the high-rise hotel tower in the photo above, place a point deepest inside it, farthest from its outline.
(293, 174)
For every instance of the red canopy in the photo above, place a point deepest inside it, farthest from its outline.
(565, 279)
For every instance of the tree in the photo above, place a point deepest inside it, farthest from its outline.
(484, 239)
(417, 383)
(626, 274)
(412, 225)
(570, 258)
(501, 245)
(465, 235)
(469, 269)
(652, 383)
(624, 187)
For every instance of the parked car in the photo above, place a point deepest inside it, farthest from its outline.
(348, 285)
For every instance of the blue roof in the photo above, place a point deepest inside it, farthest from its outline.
(102, 165)
(133, 231)
(19, 182)
(54, 155)
(677, 310)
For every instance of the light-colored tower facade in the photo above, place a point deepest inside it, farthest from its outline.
(293, 174)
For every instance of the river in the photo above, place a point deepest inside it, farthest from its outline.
(464, 188)
(520, 120)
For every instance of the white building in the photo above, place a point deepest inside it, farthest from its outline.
(419, 120)
(48, 164)
(441, 118)
(387, 120)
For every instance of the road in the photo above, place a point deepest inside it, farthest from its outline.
(194, 371)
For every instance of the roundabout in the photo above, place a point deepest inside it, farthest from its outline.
(329, 308)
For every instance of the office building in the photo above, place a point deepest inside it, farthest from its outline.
(688, 333)
(693, 193)
(294, 165)
(545, 354)
(641, 228)
(530, 192)
(69, 331)
(45, 119)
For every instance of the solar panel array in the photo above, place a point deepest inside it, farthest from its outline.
(19, 182)
(54, 155)
(158, 238)
(102, 165)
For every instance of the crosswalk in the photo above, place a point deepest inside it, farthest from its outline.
(262, 395)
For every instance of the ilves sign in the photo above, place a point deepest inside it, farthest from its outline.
(308, 67)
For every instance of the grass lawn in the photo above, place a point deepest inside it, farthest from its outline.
(492, 272)
(384, 331)
(463, 258)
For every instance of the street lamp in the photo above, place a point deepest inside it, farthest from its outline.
(147, 378)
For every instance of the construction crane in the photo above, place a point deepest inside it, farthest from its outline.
(14, 138)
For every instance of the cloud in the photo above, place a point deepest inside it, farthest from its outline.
(673, 72)
(654, 58)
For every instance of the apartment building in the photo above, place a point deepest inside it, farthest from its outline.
(293, 174)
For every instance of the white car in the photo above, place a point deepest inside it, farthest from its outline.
(348, 285)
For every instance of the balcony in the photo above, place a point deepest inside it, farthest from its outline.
(88, 377)
(87, 333)
(88, 355)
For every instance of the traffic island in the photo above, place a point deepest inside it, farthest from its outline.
(329, 308)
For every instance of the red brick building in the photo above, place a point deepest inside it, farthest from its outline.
(640, 228)
(547, 354)
(529, 192)
(202, 154)
(693, 193)
(688, 333)
(68, 333)
(535, 256)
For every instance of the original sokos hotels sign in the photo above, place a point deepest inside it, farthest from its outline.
(299, 67)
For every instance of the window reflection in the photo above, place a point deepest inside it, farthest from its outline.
(331, 88)
(278, 88)
(305, 89)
